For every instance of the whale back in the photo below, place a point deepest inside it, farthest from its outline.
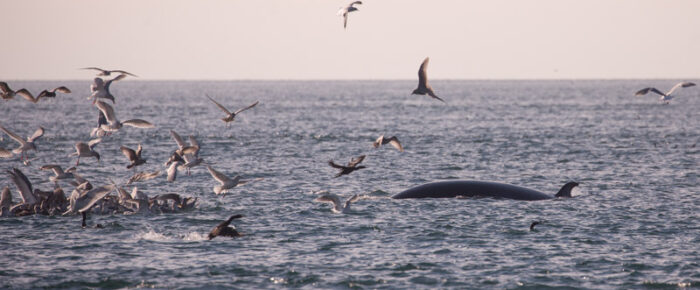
(469, 188)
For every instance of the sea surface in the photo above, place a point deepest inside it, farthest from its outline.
(634, 221)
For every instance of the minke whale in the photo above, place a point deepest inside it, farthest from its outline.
(470, 188)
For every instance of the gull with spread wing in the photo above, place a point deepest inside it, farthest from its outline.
(24, 145)
(230, 117)
(665, 97)
(423, 87)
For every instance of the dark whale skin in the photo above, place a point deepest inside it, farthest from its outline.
(469, 188)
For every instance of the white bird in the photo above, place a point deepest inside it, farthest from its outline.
(136, 194)
(114, 123)
(86, 150)
(226, 182)
(231, 116)
(58, 172)
(104, 72)
(347, 9)
(172, 171)
(100, 88)
(338, 206)
(24, 146)
(423, 87)
(665, 97)
(391, 140)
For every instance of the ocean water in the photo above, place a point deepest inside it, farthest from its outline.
(634, 221)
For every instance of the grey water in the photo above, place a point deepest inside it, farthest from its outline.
(633, 223)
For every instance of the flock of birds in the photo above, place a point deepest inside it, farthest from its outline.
(86, 198)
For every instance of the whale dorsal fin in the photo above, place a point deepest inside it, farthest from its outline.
(565, 190)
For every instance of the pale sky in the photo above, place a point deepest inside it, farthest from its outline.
(385, 39)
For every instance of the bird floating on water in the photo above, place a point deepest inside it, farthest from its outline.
(665, 97)
(224, 230)
(423, 87)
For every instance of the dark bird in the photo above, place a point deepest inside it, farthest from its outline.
(97, 226)
(423, 87)
(347, 9)
(352, 166)
(52, 93)
(231, 116)
(391, 140)
(532, 226)
(224, 230)
(105, 73)
(665, 97)
(133, 156)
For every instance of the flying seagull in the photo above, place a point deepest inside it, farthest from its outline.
(5, 92)
(231, 116)
(133, 156)
(86, 150)
(352, 166)
(391, 140)
(338, 206)
(423, 87)
(226, 182)
(52, 93)
(347, 9)
(106, 73)
(667, 96)
(100, 89)
(114, 123)
(24, 146)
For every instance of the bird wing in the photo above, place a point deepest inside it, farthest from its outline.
(378, 142)
(330, 198)
(23, 185)
(13, 135)
(123, 195)
(62, 89)
(345, 19)
(395, 142)
(644, 91)
(193, 142)
(42, 95)
(218, 175)
(678, 85)
(138, 123)
(128, 152)
(331, 163)
(138, 150)
(97, 195)
(172, 171)
(180, 143)
(27, 95)
(423, 73)
(354, 162)
(220, 106)
(4, 153)
(93, 143)
(38, 133)
(124, 72)
(117, 78)
(95, 68)
(4, 87)
(356, 3)
(57, 170)
(108, 111)
(248, 107)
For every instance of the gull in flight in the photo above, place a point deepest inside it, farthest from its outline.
(226, 182)
(24, 146)
(52, 93)
(391, 140)
(230, 116)
(338, 206)
(106, 73)
(352, 166)
(86, 150)
(133, 156)
(423, 87)
(224, 230)
(347, 9)
(665, 97)
(114, 123)
(100, 88)
(187, 155)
